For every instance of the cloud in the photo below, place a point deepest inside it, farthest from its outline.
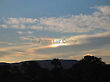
(29, 32)
(99, 38)
(104, 10)
(97, 21)
(2, 43)
(3, 53)
(21, 53)
(41, 41)
(85, 42)
(106, 59)
(6, 43)
(14, 50)
(3, 26)
(25, 33)
(20, 20)
(19, 32)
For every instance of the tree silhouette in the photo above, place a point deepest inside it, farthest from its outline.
(89, 69)
(91, 60)
(57, 71)
(56, 62)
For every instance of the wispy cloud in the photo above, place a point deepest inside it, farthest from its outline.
(29, 32)
(88, 39)
(76, 23)
(20, 20)
(77, 50)
(103, 10)
(19, 32)
(87, 44)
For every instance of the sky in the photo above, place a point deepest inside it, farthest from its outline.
(47, 29)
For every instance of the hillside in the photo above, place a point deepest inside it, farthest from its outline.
(89, 69)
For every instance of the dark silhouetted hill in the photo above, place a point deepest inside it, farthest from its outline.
(88, 69)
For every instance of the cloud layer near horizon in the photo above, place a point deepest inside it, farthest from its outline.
(80, 45)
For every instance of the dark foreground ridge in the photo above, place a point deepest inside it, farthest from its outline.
(88, 69)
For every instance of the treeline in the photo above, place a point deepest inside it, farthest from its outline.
(88, 69)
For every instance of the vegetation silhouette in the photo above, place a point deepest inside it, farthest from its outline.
(88, 69)
(91, 60)
(56, 62)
